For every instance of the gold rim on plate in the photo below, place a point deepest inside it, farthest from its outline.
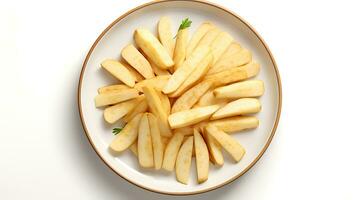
(196, 1)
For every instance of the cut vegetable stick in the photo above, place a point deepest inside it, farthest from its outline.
(235, 124)
(238, 107)
(154, 103)
(190, 97)
(158, 82)
(137, 60)
(202, 157)
(182, 73)
(164, 29)
(231, 145)
(234, 74)
(145, 153)
(153, 48)
(140, 108)
(220, 44)
(183, 162)
(197, 36)
(165, 102)
(250, 88)
(171, 151)
(197, 74)
(156, 141)
(234, 56)
(189, 117)
(119, 71)
(112, 88)
(214, 149)
(115, 97)
(180, 48)
(127, 136)
(113, 113)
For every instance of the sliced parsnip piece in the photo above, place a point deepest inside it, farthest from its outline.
(134, 148)
(197, 74)
(186, 131)
(180, 48)
(171, 151)
(193, 116)
(137, 76)
(157, 70)
(190, 97)
(209, 99)
(231, 145)
(182, 73)
(137, 60)
(234, 56)
(214, 149)
(113, 113)
(154, 103)
(164, 29)
(235, 124)
(145, 153)
(141, 107)
(127, 136)
(220, 44)
(234, 74)
(153, 48)
(119, 71)
(183, 162)
(115, 97)
(238, 107)
(202, 157)
(208, 38)
(158, 82)
(250, 88)
(165, 102)
(156, 141)
(197, 36)
(112, 88)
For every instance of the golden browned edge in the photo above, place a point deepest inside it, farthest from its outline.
(197, 1)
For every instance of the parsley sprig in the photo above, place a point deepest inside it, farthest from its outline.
(116, 130)
(186, 23)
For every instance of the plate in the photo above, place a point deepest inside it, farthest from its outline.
(120, 33)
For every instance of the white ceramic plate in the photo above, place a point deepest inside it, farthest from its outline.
(119, 34)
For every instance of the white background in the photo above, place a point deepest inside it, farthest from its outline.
(45, 155)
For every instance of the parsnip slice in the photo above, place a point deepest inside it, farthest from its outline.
(127, 136)
(197, 74)
(157, 145)
(235, 124)
(197, 36)
(137, 60)
(202, 157)
(238, 107)
(113, 113)
(158, 82)
(119, 71)
(145, 153)
(234, 74)
(231, 145)
(183, 162)
(190, 97)
(220, 44)
(154, 103)
(234, 56)
(214, 149)
(189, 117)
(171, 151)
(182, 73)
(164, 29)
(153, 48)
(180, 48)
(115, 97)
(250, 88)
(112, 88)
(165, 102)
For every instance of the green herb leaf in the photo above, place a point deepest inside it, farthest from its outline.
(116, 130)
(184, 24)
